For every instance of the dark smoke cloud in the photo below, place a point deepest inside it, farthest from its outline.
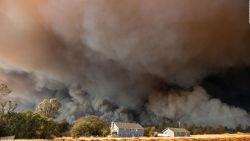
(112, 58)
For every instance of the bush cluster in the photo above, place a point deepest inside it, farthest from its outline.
(90, 126)
(29, 125)
(34, 125)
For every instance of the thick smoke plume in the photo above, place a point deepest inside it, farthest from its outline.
(131, 60)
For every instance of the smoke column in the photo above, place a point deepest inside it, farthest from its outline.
(133, 60)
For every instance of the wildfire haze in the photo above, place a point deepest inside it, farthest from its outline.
(150, 61)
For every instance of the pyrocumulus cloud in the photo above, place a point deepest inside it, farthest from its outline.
(111, 58)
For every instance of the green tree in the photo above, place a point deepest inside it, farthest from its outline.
(63, 128)
(90, 126)
(28, 125)
(49, 107)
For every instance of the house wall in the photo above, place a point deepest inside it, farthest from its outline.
(178, 134)
(169, 133)
(162, 135)
(114, 129)
(126, 132)
(130, 132)
(181, 134)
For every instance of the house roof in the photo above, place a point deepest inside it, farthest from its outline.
(128, 125)
(183, 130)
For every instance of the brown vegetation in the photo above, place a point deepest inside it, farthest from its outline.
(214, 137)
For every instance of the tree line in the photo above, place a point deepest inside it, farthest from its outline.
(41, 122)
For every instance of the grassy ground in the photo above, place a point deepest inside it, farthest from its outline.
(223, 137)
(31, 140)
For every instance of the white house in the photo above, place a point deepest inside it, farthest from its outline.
(174, 132)
(126, 129)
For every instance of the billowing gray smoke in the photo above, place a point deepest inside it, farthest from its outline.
(111, 58)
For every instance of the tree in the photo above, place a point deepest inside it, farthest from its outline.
(90, 126)
(149, 131)
(49, 107)
(248, 129)
(28, 125)
(63, 128)
(4, 90)
(6, 106)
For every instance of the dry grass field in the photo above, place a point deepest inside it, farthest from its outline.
(223, 137)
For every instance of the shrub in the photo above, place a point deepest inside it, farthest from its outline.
(149, 131)
(90, 126)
